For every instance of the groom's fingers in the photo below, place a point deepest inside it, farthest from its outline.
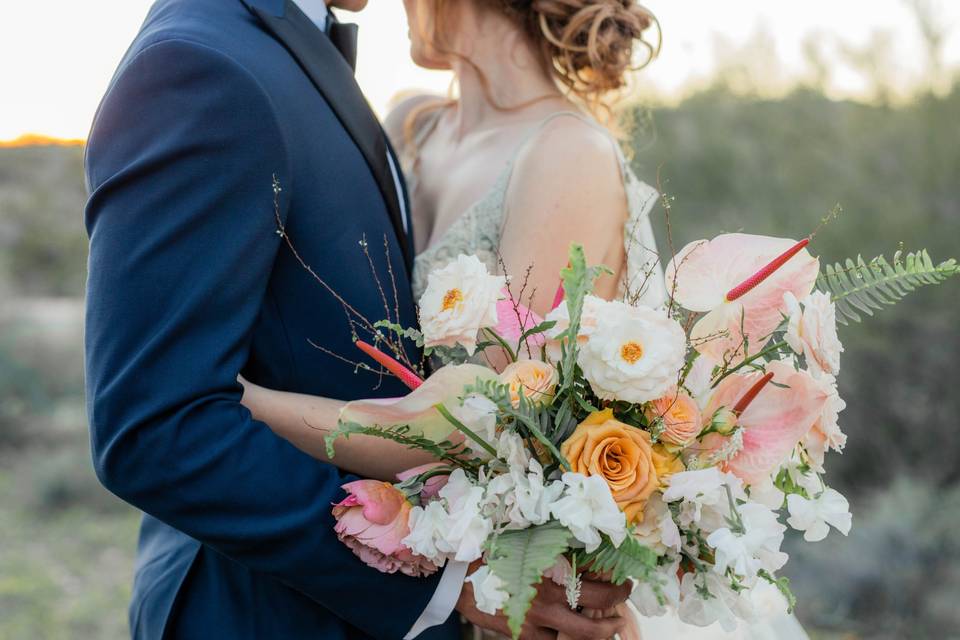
(603, 595)
(574, 625)
(593, 594)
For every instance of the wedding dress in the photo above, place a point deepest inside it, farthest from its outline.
(478, 231)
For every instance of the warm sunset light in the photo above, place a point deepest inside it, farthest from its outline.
(57, 57)
(38, 140)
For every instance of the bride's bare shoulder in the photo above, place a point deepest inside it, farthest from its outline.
(402, 108)
(573, 164)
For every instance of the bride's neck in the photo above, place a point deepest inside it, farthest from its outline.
(502, 71)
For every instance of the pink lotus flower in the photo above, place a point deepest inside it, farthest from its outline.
(418, 409)
(372, 521)
(433, 485)
(739, 281)
(775, 422)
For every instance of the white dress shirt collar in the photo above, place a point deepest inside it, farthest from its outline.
(316, 10)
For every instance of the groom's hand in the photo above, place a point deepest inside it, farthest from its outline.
(550, 613)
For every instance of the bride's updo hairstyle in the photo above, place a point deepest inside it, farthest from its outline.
(589, 46)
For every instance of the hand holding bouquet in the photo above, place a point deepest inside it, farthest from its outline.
(671, 447)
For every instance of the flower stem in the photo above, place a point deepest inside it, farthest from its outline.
(503, 343)
(486, 446)
(771, 349)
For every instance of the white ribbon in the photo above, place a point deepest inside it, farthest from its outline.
(444, 599)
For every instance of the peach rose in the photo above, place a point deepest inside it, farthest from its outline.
(534, 379)
(682, 420)
(372, 521)
(622, 455)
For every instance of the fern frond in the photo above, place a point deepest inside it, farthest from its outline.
(519, 559)
(861, 287)
(631, 559)
(455, 453)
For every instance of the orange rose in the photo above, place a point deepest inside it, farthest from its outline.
(682, 420)
(622, 455)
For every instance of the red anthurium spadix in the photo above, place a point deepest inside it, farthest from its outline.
(406, 376)
(738, 280)
(774, 417)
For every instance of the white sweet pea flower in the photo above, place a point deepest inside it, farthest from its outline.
(812, 331)
(645, 599)
(427, 525)
(524, 498)
(467, 528)
(488, 590)
(816, 516)
(479, 414)
(658, 530)
(723, 605)
(756, 547)
(635, 354)
(512, 450)
(704, 501)
(460, 300)
(588, 509)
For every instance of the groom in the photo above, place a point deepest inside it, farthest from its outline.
(190, 284)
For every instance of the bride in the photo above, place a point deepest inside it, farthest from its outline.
(513, 170)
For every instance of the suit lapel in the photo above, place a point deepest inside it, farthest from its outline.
(333, 78)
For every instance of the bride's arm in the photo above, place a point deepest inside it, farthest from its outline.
(305, 421)
(566, 187)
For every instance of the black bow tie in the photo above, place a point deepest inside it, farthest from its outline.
(344, 38)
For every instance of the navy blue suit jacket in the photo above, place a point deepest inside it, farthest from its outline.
(190, 284)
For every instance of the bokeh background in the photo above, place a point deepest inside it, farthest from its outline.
(759, 116)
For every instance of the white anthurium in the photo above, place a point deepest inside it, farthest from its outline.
(588, 509)
(815, 517)
(460, 300)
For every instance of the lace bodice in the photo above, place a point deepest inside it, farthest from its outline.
(478, 231)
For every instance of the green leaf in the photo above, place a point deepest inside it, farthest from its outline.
(630, 560)
(578, 281)
(860, 287)
(456, 454)
(520, 558)
(404, 332)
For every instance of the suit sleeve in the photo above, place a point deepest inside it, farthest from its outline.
(182, 242)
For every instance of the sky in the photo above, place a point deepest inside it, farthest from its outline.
(57, 56)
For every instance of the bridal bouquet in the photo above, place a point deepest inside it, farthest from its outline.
(669, 446)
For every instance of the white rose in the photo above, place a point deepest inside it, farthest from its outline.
(460, 300)
(812, 331)
(635, 354)
(488, 590)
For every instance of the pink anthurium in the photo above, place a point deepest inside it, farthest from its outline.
(774, 422)
(738, 281)
(418, 409)
(513, 319)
